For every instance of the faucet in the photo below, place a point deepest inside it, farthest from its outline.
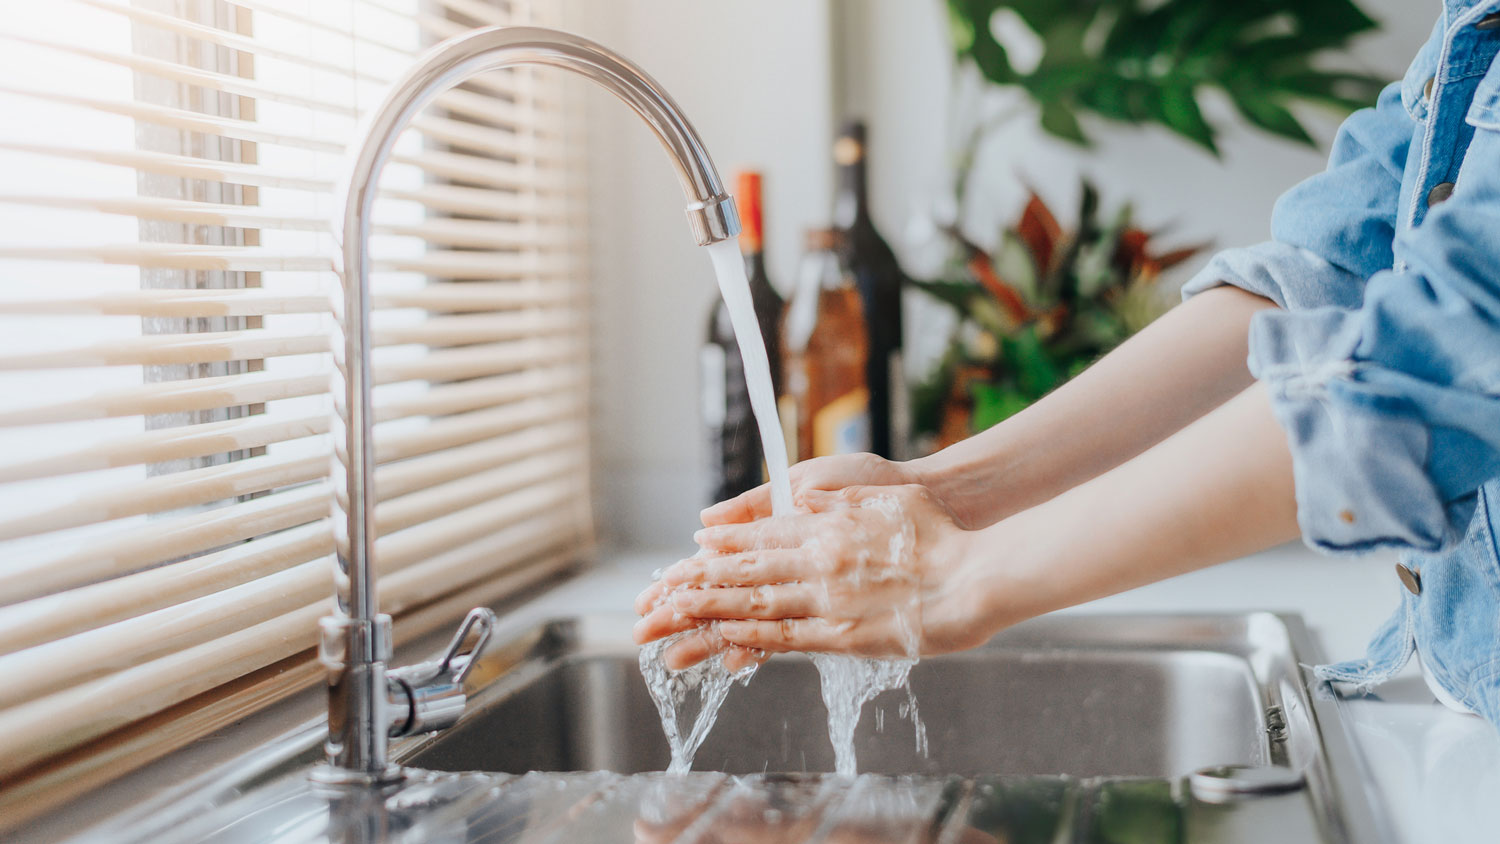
(369, 703)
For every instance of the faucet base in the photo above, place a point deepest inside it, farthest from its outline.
(332, 776)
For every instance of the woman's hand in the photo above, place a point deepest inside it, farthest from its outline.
(869, 570)
(818, 474)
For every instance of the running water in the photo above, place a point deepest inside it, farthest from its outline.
(848, 682)
(729, 265)
(711, 678)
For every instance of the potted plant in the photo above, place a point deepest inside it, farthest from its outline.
(1045, 301)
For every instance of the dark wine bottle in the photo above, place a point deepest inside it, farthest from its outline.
(880, 282)
(735, 460)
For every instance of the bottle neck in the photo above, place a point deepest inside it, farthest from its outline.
(852, 201)
(755, 266)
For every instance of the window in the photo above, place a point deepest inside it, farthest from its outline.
(165, 277)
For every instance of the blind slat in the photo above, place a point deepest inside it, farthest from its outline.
(42, 619)
(262, 387)
(153, 635)
(458, 101)
(130, 549)
(189, 488)
(257, 343)
(468, 296)
(209, 438)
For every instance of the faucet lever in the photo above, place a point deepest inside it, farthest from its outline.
(431, 694)
(484, 619)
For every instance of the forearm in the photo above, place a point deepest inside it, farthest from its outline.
(1182, 366)
(1220, 489)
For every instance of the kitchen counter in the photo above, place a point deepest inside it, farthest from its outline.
(1435, 772)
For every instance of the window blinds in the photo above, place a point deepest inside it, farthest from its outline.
(165, 279)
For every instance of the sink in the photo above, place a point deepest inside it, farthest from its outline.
(1084, 696)
(1124, 729)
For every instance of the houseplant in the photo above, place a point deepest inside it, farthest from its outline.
(1044, 301)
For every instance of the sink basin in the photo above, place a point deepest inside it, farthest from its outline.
(1129, 728)
(1078, 696)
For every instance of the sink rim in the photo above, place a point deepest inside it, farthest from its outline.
(1277, 647)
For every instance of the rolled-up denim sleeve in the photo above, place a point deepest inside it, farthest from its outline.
(1392, 409)
(1333, 231)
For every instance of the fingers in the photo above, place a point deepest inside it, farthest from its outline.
(788, 600)
(702, 644)
(784, 532)
(651, 597)
(789, 634)
(751, 568)
(692, 649)
(823, 501)
(661, 623)
(737, 659)
(745, 507)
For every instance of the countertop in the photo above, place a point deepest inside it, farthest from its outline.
(1435, 772)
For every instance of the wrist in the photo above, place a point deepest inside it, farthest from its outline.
(976, 478)
(1015, 573)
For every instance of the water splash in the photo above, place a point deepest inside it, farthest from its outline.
(671, 689)
(847, 682)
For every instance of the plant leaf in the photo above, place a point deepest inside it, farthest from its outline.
(1060, 120)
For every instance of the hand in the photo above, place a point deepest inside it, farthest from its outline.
(870, 570)
(820, 473)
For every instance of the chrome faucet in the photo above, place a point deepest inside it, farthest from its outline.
(368, 703)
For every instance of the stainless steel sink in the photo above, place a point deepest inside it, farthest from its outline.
(1088, 728)
(1084, 696)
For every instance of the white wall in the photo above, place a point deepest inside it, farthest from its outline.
(754, 77)
(894, 65)
(765, 81)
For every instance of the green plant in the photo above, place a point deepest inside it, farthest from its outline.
(1146, 61)
(1036, 310)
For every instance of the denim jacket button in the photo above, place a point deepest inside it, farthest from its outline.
(1488, 22)
(1427, 88)
(1409, 578)
(1440, 193)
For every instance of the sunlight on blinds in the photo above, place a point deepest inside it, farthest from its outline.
(165, 278)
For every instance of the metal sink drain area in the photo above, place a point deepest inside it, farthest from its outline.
(1074, 728)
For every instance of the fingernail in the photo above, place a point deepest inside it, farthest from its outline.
(682, 602)
(730, 629)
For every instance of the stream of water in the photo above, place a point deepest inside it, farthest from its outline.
(848, 682)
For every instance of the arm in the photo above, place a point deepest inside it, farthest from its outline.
(1219, 489)
(1178, 368)
(1332, 232)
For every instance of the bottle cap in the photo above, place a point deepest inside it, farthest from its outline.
(849, 148)
(747, 199)
(820, 239)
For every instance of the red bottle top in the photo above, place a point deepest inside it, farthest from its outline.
(747, 198)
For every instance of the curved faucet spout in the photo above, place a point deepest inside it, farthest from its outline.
(367, 704)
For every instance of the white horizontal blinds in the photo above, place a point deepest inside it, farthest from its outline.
(165, 278)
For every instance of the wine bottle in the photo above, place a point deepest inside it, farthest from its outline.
(734, 449)
(826, 354)
(880, 281)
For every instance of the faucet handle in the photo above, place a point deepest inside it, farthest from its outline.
(431, 694)
(480, 617)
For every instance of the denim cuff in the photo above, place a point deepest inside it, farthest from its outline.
(1359, 453)
(1292, 277)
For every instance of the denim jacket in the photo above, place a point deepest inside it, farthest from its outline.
(1383, 360)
